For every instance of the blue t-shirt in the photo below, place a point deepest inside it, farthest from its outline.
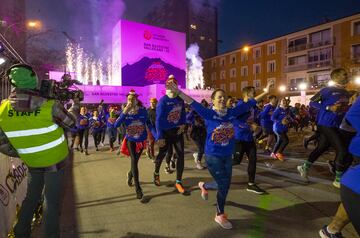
(277, 117)
(170, 113)
(351, 179)
(265, 116)
(97, 124)
(329, 97)
(135, 125)
(84, 120)
(353, 117)
(242, 127)
(220, 136)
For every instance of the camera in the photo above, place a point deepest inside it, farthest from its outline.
(62, 90)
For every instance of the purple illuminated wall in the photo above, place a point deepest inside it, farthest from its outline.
(147, 55)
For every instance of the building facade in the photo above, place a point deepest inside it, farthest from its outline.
(13, 29)
(198, 19)
(305, 56)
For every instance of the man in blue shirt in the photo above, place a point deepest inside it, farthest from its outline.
(333, 104)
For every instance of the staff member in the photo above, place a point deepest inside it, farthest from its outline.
(32, 129)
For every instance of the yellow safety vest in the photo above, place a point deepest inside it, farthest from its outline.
(38, 140)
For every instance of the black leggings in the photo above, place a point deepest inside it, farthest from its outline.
(172, 139)
(200, 144)
(83, 133)
(350, 200)
(329, 136)
(242, 147)
(134, 162)
(282, 140)
(97, 138)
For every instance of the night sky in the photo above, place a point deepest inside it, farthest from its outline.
(248, 22)
(240, 21)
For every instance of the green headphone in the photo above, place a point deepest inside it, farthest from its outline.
(22, 76)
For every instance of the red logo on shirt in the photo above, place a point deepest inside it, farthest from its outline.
(135, 129)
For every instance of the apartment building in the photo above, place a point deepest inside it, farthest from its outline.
(305, 56)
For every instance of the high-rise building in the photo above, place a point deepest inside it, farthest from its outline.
(13, 28)
(198, 19)
(303, 57)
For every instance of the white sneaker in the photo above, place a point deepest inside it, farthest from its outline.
(303, 173)
(199, 166)
(102, 144)
(195, 155)
(336, 184)
(223, 221)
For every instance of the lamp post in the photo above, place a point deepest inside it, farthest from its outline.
(303, 86)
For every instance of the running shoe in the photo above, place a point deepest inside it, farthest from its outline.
(180, 188)
(167, 169)
(336, 183)
(204, 192)
(280, 156)
(222, 220)
(303, 172)
(199, 166)
(255, 189)
(273, 155)
(325, 234)
(156, 179)
(139, 193)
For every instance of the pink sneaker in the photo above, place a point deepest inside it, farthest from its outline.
(273, 155)
(223, 221)
(204, 192)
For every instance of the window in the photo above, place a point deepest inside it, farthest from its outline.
(356, 28)
(232, 59)
(244, 56)
(257, 68)
(319, 55)
(257, 53)
(202, 37)
(355, 51)
(233, 73)
(244, 84)
(213, 63)
(223, 86)
(297, 44)
(244, 71)
(213, 76)
(271, 66)
(271, 49)
(257, 84)
(320, 38)
(232, 87)
(222, 61)
(297, 60)
(272, 81)
(222, 74)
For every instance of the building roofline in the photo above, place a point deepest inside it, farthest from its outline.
(340, 19)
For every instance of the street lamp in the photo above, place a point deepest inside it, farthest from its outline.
(331, 83)
(303, 86)
(34, 24)
(246, 48)
(357, 80)
(282, 88)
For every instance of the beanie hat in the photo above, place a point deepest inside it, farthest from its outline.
(171, 78)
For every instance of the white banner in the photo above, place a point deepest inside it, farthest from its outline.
(13, 185)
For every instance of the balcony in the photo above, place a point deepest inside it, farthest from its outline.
(308, 46)
(309, 65)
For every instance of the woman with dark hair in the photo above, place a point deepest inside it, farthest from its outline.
(281, 117)
(219, 144)
(135, 119)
